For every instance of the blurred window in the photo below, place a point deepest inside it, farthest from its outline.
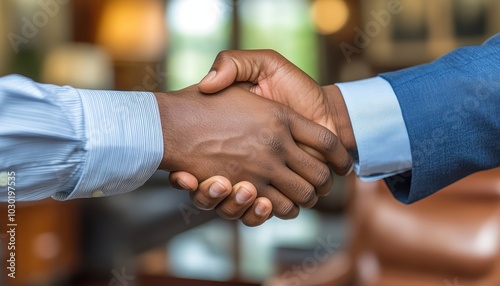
(200, 29)
(282, 25)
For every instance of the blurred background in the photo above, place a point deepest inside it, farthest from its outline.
(358, 235)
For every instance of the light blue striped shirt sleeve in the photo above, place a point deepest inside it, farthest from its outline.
(383, 145)
(71, 143)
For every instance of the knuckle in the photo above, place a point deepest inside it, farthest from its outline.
(281, 114)
(272, 53)
(286, 210)
(227, 56)
(269, 52)
(327, 140)
(311, 202)
(305, 193)
(280, 119)
(323, 175)
(223, 54)
(276, 145)
(302, 193)
(294, 186)
(272, 141)
(307, 196)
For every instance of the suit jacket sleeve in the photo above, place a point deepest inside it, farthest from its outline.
(451, 108)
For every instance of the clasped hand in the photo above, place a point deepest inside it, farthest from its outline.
(240, 139)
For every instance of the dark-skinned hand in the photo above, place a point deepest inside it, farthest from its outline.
(271, 76)
(246, 138)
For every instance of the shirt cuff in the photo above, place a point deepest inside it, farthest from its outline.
(124, 142)
(383, 145)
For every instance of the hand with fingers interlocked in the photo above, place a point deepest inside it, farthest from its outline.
(269, 75)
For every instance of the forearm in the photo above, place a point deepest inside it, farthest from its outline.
(69, 143)
(168, 124)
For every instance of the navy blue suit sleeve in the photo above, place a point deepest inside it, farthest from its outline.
(451, 108)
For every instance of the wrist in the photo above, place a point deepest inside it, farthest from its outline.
(340, 116)
(164, 103)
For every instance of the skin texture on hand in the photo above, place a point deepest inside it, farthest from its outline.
(274, 77)
(244, 137)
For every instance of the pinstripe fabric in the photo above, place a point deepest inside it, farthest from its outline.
(67, 143)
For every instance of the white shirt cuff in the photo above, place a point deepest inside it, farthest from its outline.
(380, 132)
(124, 142)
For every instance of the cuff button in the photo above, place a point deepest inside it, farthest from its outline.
(4, 178)
(97, 194)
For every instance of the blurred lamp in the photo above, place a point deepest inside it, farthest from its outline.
(329, 16)
(133, 30)
(198, 17)
(78, 65)
(47, 245)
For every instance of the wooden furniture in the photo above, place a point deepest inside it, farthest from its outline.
(450, 238)
(47, 240)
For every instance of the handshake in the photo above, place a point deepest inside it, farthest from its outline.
(261, 136)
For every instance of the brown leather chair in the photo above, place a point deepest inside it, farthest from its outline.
(449, 239)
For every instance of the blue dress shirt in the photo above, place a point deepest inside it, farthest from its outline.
(383, 146)
(71, 143)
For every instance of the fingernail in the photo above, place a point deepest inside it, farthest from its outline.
(350, 170)
(183, 186)
(260, 209)
(243, 195)
(216, 190)
(211, 75)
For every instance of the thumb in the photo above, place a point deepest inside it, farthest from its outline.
(222, 74)
(232, 66)
(211, 83)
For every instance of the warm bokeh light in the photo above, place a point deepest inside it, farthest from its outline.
(329, 15)
(47, 245)
(196, 17)
(59, 67)
(133, 29)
